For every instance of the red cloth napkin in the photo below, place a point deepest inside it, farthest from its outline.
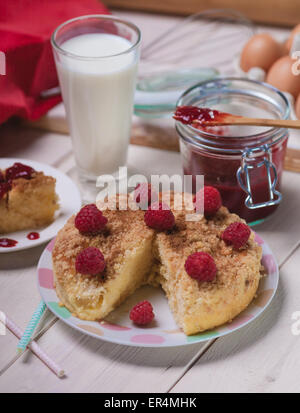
(25, 30)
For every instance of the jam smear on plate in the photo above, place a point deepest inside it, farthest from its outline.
(33, 235)
(7, 243)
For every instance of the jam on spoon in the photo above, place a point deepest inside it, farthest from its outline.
(195, 115)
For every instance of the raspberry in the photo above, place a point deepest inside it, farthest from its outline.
(90, 261)
(90, 220)
(236, 234)
(212, 200)
(144, 195)
(142, 313)
(2, 179)
(4, 188)
(159, 216)
(201, 266)
(19, 170)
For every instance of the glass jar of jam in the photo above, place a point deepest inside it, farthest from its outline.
(244, 163)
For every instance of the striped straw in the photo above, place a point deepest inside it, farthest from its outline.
(34, 347)
(29, 330)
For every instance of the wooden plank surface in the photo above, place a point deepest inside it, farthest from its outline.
(18, 294)
(95, 366)
(278, 12)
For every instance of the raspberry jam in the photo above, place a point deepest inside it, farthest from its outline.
(188, 114)
(239, 161)
(4, 188)
(33, 235)
(18, 170)
(7, 243)
(220, 172)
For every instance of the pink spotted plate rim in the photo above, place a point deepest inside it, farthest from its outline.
(163, 331)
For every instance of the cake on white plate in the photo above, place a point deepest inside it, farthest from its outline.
(27, 198)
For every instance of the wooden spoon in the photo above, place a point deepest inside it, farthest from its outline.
(193, 115)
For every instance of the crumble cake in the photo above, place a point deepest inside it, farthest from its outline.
(127, 249)
(27, 198)
(136, 254)
(201, 306)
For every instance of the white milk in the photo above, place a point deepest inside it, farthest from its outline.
(98, 96)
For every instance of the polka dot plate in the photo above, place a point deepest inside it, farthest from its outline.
(163, 331)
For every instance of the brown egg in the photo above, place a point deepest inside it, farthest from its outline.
(297, 107)
(289, 41)
(285, 49)
(260, 51)
(281, 76)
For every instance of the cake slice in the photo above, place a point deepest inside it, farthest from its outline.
(27, 198)
(135, 254)
(198, 306)
(126, 244)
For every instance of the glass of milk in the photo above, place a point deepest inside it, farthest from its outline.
(96, 58)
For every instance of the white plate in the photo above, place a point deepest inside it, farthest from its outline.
(117, 327)
(69, 201)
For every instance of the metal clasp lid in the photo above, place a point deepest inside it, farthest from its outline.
(243, 176)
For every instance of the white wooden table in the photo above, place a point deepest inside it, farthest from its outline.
(263, 356)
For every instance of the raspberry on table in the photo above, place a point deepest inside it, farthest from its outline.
(142, 313)
(159, 217)
(236, 234)
(90, 220)
(19, 170)
(145, 195)
(90, 261)
(211, 200)
(201, 266)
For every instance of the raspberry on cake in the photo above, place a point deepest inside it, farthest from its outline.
(159, 216)
(90, 220)
(90, 261)
(236, 234)
(27, 198)
(210, 198)
(207, 282)
(201, 266)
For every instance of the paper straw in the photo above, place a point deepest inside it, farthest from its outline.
(34, 347)
(29, 330)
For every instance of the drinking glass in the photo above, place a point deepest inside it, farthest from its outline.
(96, 58)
